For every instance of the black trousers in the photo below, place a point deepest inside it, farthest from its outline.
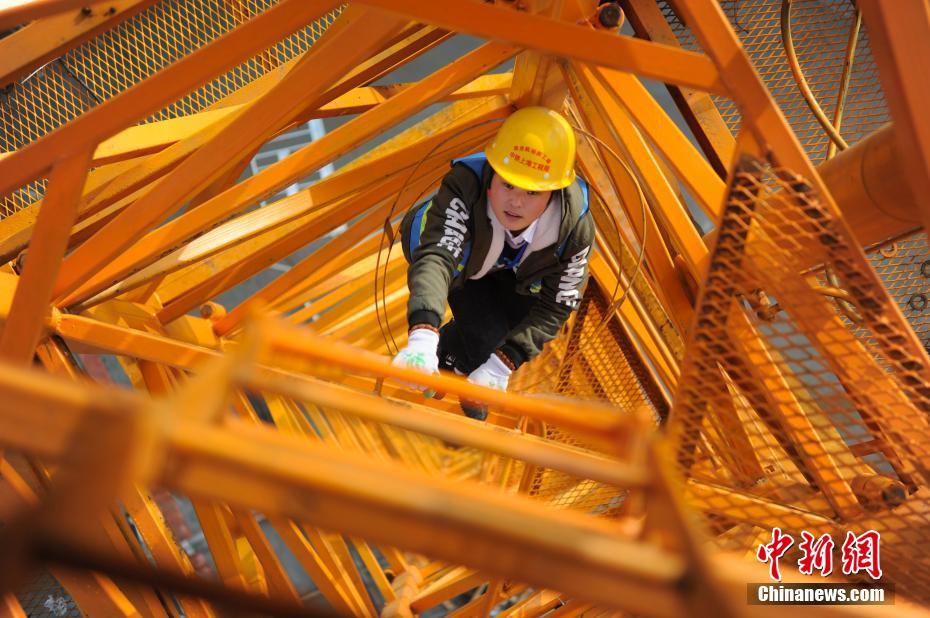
(484, 311)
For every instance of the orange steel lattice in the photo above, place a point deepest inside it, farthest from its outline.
(782, 402)
(118, 59)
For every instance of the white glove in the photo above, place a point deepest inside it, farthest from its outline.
(493, 374)
(420, 353)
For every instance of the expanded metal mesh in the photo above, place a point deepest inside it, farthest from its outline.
(820, 30)
(131, 52)
(904, 268)
(45, 596)
(789, 415)
(591, 360)
(603, 363)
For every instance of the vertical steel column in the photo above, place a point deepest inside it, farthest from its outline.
(23, 327)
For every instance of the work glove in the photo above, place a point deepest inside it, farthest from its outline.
(493, 373)
(419, 353)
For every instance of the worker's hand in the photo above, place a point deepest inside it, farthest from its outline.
(493, 373)
(419, 353)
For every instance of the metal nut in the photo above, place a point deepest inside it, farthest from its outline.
(917, 302)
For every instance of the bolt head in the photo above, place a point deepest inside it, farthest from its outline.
(609, 15)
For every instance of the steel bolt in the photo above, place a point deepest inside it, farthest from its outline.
(610, 15)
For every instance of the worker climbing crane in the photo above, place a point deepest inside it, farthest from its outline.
(505, 241)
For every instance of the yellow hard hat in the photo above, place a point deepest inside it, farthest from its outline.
(534, 150)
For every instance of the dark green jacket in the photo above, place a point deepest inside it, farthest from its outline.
(457, 216)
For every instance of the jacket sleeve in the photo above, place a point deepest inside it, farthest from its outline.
(560, 295)
(447, 226)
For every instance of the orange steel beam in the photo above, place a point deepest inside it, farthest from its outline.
(312, 156)
(252, 260)
(303, 207)
(281, 294)
(350, 298)
(308, 84)
(229, 235)
(900, 35)
(163, 162)
(140, 140)
(149, 522)
(455, 429)
(34, 45)
(657, 258)
(166, 86)
(633, 318)
(256, 467)
(356, 274)
(617, 195)
(30, 304)
(699, 110)
(538, 80)
(360, 100)
(418, 41)
(331, 261)
(93, 593)
(299, 343)
(311, 226)
(22, 12)
(483, 437)
(343, 183)
(312, 269)
(798, 424)
(868, 181)
(652, 60)
(289, 290)
(17, 228)
(595, 420)
(760, 114)
(690, 165)
(304, 274)
(361, 505)
(95, 337)
(196, 284)
(875, 392)
(361, 325)
(106, 188)
(345, 286)
(667, 207)
(10, 607)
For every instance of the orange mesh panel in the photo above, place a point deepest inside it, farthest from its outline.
(820, 30)
(129, 53)
(788, 414)
(603, 364)
(594, 361)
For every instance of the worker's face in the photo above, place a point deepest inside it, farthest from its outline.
(516, 208)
